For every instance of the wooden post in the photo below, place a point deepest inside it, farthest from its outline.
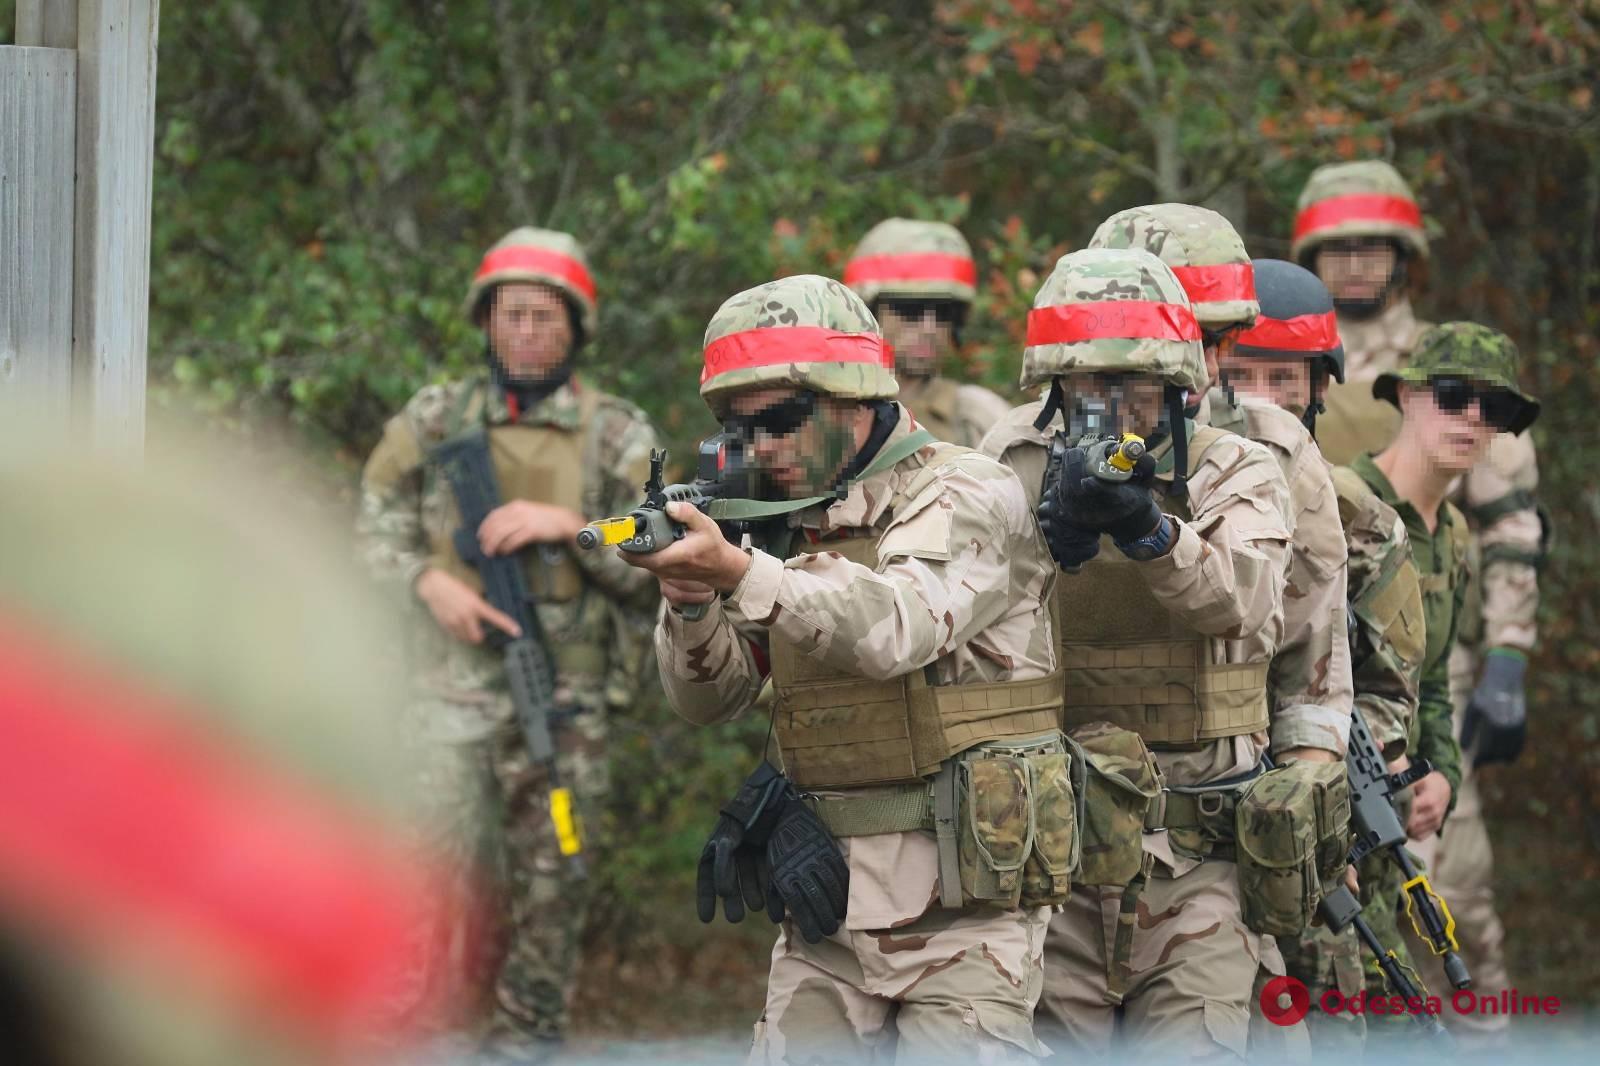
(47, 23)
(36, 207)
(111, 273)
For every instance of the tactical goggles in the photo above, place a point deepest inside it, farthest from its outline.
(775, 420)
(1496, 406)
(947, 312)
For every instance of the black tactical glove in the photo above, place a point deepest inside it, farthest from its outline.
(1124, 509)
(1069, 545)
(1497, 713)
(733, 864)
(809, 875)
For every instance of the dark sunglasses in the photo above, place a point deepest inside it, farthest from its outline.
(1496, 406)
(775, 420)
(948, 312)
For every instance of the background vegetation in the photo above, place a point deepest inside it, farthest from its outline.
(328, 173)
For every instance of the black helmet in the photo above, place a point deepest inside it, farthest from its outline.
(1297, 317)
(1296, 321)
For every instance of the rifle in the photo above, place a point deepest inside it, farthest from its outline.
(1110, 454)
(529, 669)
(1339, 909)
(1376, 825)
(720, 474)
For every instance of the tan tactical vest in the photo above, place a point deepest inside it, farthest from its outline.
(1131, 662)
(837, 730)
(937, 408)
(540, 463)
(1391, 602)
(1355, 422)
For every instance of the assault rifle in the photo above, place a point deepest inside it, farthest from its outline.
(529, 669)
(1376, 825)
(1341, 908)
(720, 474)
(1110, 454)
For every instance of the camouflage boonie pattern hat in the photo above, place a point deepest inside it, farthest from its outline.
(904, 256)
(1362, 199)
(1203, 250)
(1462, 349)
(1098, 275)
(836, 347)
(546, 256)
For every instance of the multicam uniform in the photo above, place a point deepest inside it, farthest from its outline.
(911, 259)
(585, 450)
(927, 581)
(1507, 534)
(1140, 641)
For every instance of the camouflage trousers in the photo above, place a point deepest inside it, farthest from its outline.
(1192, 966)
(957, 986)
(1463, 873)
(517, 956)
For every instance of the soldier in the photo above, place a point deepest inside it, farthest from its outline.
(1286, 358)
(561, 449)
(1359, 227)
(901, 610)
(918, 279)
(1168, 628)
(1457, 391)
(1312, 666)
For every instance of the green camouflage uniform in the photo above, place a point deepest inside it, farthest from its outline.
(954, 589)
(1508, 542)
(494, 804)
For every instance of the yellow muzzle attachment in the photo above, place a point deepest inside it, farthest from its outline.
(608, 532)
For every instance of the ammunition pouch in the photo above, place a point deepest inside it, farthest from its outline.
(1120, 782)
(1017, 814)
(1006, 823)
(1278, 838)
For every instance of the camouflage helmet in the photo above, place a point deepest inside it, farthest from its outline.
(546, 256)
(1467, 350)
(806, 331)
(1362, 199)
(1113, 310)
(239, 883)
(904, 256)
(1297, 318)
(1203, 250)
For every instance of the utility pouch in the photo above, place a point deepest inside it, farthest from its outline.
(1275, 827)
(1330, 788)
(1120, 781)
(1018, 816)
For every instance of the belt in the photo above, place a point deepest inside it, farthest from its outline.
(894, 809)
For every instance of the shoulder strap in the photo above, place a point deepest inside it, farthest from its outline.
(751, 509)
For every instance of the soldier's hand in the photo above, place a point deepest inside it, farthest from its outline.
(458, 608)
(1495, 725)
(683, 593)
(1430, 799)
(519, 523)
(701, 556)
